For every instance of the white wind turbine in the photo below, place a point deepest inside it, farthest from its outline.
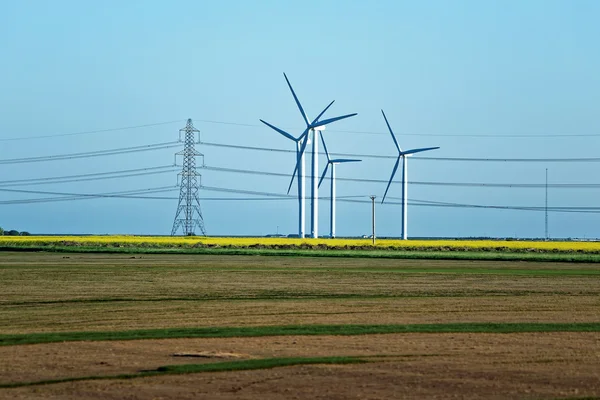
(402, 155)
(333, 163)
(301, 188)
(301, 142)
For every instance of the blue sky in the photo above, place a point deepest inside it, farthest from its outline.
(441, 70)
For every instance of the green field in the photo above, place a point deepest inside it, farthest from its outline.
(55, 306)
(418, 254)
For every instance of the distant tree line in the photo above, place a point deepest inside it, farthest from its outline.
(12, 232)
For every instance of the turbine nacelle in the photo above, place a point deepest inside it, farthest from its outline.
(401, 154)
(334, 161)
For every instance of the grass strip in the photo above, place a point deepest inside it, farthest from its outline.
(300, 296)
(346, 270)
(199, 368)
(226, 332)
(580, 398)
(391, 254)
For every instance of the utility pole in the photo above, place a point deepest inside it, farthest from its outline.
(546, 208)
(373, 216)
(189, 215)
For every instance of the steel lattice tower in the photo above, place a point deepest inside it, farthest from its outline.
(189, 215)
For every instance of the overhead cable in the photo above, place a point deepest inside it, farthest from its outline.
(377, 156)
(422, 183)
(137, 194)
(90, 177)
(89, 132)
(98, 153)
(414, 202)
(62, 196)
(510, 135)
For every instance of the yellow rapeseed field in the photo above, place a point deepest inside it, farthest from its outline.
(242, 242)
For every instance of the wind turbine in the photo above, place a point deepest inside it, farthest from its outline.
(333, 164)
(404, 156)
(300, 167)
(301, 142)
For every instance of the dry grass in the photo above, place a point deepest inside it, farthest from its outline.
(49, 293)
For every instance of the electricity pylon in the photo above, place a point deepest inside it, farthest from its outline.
(189, 214)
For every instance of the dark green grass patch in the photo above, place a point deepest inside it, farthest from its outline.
(431, 254)
(256, 364)
(225, 332)
(580, 398)
(199, 368)
(348, 270)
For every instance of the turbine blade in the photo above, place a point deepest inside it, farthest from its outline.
(324, 146)
(343, 160)
(299, 157)
(391, 178)
(323, 112)
(413, 151)
(303, 143)
(295, 169)
(330, 120)
(297, 101)
(292, 180)
(303, 134)
(284, 133)
(323, 176)
(391, 133)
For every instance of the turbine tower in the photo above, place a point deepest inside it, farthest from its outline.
(333, 164)
(300, 164)
(189, 202)
(301, 142)
(404, 156)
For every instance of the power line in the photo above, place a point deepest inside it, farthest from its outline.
(90, 177)
(542, 136)
(455, 184)
(62, 196)
(414, 202)
(98, 153)
(209, 121)
(267, 196)
(376, 156)
(89, 132)
(522, 208)
(110, 194)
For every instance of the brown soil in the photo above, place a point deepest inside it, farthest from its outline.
(527, 365)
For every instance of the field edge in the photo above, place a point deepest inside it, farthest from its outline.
(491, 255)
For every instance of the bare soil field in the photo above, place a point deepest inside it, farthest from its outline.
(53, 292)
(528, 365)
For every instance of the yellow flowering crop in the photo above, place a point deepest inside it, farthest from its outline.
(242, 242)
